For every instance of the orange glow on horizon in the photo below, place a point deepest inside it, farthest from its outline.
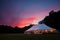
(26, 22)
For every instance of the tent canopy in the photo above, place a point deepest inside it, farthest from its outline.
(40, 26)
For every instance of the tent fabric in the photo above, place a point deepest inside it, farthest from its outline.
(40, 26)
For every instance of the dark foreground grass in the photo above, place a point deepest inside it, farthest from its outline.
(29, 37)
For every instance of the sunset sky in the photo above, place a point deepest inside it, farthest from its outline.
(24, 12)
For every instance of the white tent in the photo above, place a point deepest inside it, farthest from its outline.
(40, 26)
(39, 29)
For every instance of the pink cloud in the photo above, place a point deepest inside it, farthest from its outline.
(25, 21)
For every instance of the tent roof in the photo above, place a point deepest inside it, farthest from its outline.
(40, 26)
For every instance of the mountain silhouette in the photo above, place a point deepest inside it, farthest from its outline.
(53, 20)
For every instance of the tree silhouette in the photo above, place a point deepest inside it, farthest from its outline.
(53, 20)
(9, 29)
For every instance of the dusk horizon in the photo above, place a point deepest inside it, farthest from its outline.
(29, 19)
(25, 12)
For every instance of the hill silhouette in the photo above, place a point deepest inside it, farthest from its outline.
(53, 20)
(9, 29)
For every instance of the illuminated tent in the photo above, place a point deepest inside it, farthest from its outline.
(39, 29)
(40, 26)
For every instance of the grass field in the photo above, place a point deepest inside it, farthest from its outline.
(29, 37)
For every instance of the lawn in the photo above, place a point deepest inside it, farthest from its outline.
(29, 37)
